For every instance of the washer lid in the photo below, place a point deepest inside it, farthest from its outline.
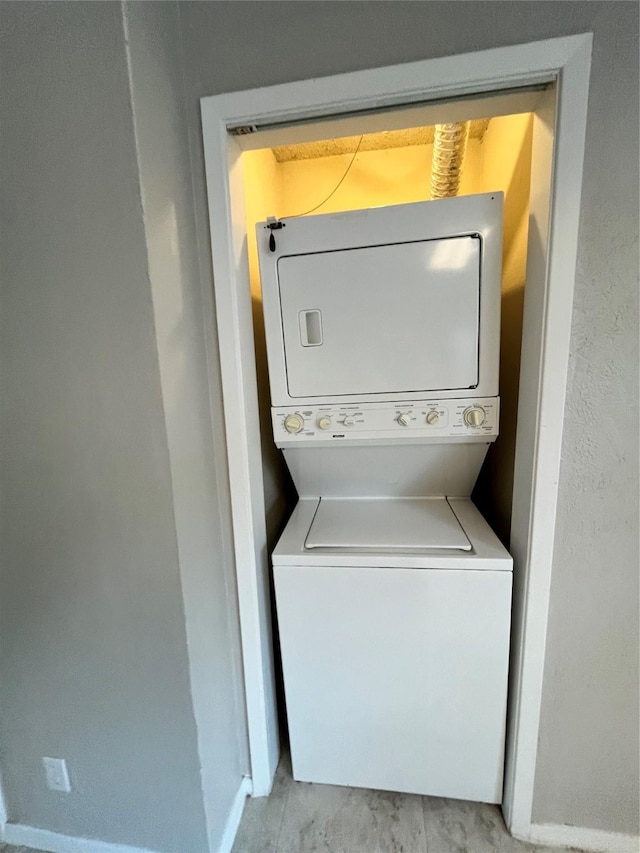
(398, 524)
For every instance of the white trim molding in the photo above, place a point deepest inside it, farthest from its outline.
(55, 842)
(583, 838)
(564, 63)
(235, 815)
(3, 812)
(558, 148)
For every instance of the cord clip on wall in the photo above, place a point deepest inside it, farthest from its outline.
(273, 225)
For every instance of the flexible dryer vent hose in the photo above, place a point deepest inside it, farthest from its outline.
(449, 144)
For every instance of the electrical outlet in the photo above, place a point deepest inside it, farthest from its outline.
(57, 774)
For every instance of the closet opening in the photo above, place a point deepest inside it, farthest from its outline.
(390, 167)
(548, 80)
(355, 171)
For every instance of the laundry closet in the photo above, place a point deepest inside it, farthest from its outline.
(380, 693)
(395, 168)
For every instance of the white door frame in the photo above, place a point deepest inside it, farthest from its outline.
(559, 137)
(3, 812)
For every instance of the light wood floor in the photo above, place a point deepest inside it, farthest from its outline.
(299, 817)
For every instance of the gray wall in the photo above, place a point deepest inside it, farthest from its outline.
(588, 753)
(588, 761)
(94, 654)
(198, 469)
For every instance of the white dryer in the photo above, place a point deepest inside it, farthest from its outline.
(393, 595)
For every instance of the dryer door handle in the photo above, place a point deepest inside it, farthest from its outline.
(310, 324)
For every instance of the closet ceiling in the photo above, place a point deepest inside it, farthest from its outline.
(371, 142)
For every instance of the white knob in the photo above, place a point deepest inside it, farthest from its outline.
(324, 422)
(349, 420)
(294, 423)
(404, 419)
(474, 416)
(432, 418)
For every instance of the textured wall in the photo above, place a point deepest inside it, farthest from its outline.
(94, 654)
(588, 755)
(198, 466)
(588, 768)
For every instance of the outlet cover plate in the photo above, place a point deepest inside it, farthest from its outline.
(57, 774)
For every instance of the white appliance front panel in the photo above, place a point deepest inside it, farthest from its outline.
(373, 323)
(434, 421)
(396, 679)
(399, 469)
(404, 524)
(382, 319)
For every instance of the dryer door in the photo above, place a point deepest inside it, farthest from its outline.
(382, 319)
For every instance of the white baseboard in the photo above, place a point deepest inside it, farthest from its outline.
(597, 840)
(235, 815)
(55, 842)
(3, 813)
(43, 839)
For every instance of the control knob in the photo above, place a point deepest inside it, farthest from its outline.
(349, 420)
(432, 418)
(294, 423)
(324, 422)
(404, 419)
(474, 416)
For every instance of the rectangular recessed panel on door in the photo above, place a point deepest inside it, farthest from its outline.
(382, 319)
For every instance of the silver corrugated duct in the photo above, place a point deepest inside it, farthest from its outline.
(449, 145)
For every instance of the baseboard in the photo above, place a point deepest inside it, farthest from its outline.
(3, 814)
(596, 840)
(235, 816)
(54, 842)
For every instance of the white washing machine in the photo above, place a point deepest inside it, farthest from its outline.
(393, 595)
(394, 618)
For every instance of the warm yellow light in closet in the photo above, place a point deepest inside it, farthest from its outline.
(371, 142)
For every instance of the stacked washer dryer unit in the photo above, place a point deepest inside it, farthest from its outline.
(393, 595)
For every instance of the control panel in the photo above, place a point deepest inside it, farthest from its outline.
(432, 420)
